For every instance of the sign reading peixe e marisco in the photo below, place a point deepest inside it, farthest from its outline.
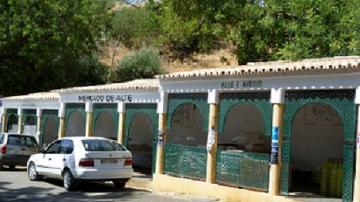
(241, 84)
(106, 98)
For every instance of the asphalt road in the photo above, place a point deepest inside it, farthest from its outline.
(15, 186)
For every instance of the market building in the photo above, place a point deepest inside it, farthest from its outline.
(125, 112)
(274, 127)
(33, 114)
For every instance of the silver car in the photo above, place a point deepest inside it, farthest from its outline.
(15, 149)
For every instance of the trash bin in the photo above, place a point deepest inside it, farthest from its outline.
(331, 178)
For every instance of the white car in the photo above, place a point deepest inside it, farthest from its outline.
(75, 159)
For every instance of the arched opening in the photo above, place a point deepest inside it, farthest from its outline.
(30, 125)
(105, 126)
(244, 149)
(186, 127)
(75, 125)
(140, 142)
(12, 124)
(50, 132)
(185, 148)
(244, 130)
(317, 151)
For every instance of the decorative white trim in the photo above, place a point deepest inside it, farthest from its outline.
(228, 84)
(277, 96)
(213, 96)
(38, 112)
(19, 111)
(61, 112)
(43, 104)
(162, 105)
(357, 95)
(121, 107)
(128, 96)
(89, 107)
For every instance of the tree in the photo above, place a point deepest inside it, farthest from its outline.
(145, 63)
(185, 27)
(47, 44)
(131, 27)
(261, 30)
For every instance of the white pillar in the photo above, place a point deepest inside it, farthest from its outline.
(38, 124)
(3, 119)
(20, 120)
(121, 123)
(61, 114)
(89, 119)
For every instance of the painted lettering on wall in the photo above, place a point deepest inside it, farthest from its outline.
(241, 84)
(274, 145)
(28, 105)
(105, 98)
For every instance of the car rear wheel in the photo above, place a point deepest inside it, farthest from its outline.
(32, 174)
(70, 183)
(119, 184)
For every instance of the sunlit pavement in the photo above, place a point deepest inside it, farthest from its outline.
(15, 186)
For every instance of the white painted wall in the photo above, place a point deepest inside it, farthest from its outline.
(76, 125)
(186, 127)
(316, 81)
(50, 131)
(244, 128)
(140, 140)
(317, 136)
(104, 126)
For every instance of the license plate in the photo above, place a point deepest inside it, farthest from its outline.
(108, 161)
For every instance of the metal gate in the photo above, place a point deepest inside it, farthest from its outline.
(244, 169)
(183, 160)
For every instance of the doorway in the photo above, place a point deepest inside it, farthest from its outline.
(317, 151)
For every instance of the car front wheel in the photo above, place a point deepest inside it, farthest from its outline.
(32, 174)
(70, 183)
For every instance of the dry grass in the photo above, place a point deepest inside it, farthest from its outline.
(216, 58)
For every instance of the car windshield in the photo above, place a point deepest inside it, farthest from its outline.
(20, 140)
(101, 145)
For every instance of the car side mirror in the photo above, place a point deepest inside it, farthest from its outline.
(42, 151)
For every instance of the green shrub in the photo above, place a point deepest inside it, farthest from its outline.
(144, 63)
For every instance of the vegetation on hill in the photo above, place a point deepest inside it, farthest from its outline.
(51, 44)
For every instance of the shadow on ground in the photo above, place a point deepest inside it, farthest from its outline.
(88, 191)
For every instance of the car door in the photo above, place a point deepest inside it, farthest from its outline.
(56, 160)
(47, 164)
(67, 148)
